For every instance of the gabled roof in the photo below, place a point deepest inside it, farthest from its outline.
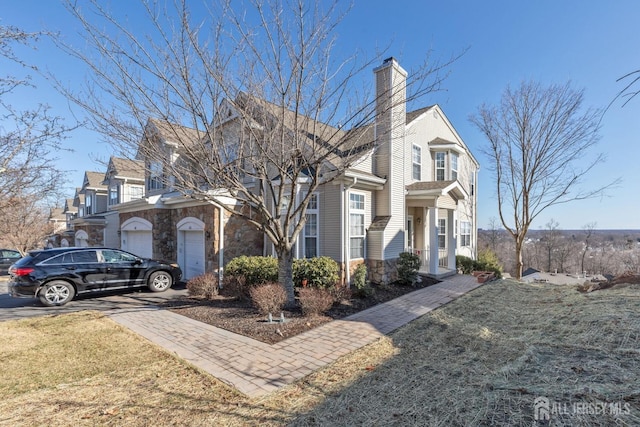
(412, 115)
(173, 132)
(57, 214)
(69, 207)
(436, 188)
(93, 180)
(125, 168)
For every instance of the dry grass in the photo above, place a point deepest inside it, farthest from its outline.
(480, 360)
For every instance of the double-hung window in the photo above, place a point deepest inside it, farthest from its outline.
(465, 233)
(417, 163)
(113, 195)
(454, 166)
(440, 165)
(311, 228)
(87, 204)
(356, 225)
(155, 176)
(442, 233)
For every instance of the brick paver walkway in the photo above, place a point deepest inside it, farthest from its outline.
(256, 368)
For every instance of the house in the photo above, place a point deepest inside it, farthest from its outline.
(412, 188)
(93, 225)
(200, 235)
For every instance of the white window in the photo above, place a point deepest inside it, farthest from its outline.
(442, 233)
(311, 228)
(135, 192)
(417, 163)
(113, 195)
(356, 225)
(87, 204)
(440, 157)
(454, 166)
(465, 233)
(155, 176)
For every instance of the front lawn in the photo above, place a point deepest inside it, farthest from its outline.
(480, 360)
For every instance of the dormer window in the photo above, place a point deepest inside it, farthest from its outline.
(87, 204)
(155, 176)
(113, 195)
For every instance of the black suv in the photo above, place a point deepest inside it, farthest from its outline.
(57, 275)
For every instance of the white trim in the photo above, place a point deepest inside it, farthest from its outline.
(136, 224)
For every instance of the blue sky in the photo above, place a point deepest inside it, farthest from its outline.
(590, 43)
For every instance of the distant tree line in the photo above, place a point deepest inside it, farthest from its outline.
(551, 249)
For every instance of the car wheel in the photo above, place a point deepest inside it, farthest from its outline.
(56, 293)
(160, 281)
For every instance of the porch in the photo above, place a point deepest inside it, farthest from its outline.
(443, 268)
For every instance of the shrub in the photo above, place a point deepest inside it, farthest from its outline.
(314, 301)
(464, 264)
(203, 286)
(255, 269)
(320, 272)
(487, 261)
(269, 297)
(340, 293)
(408, 266)
(236, 286)
(359, 282)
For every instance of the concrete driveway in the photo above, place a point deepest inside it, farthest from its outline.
(19, 308)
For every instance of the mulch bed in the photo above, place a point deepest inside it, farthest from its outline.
(239, 316)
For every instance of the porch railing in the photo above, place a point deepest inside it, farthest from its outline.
(443, 257)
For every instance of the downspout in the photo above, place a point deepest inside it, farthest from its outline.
(343, 231)
(220, 244)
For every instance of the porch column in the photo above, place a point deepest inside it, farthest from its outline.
(453, 240)
(433, 240)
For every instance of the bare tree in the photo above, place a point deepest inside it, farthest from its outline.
(550, 241)
(494, 233)
(538, 140)
(25, 224)
(29, 140)
(271, 109)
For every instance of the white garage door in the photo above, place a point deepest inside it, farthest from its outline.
(139, 243)
(193, 254)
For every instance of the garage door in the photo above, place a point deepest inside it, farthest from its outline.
(193, 254)
(139, 243)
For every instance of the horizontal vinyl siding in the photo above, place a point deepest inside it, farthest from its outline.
(330, 221)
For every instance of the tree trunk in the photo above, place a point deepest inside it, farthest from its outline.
(519, 263)
(285, 274)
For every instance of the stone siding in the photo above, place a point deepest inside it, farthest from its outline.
(240, 238)
(95, 234)
(382, 271)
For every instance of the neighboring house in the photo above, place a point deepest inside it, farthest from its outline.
(125, 181)
(201, 236)
(59, 219)
(412, 189)
(92, 224)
